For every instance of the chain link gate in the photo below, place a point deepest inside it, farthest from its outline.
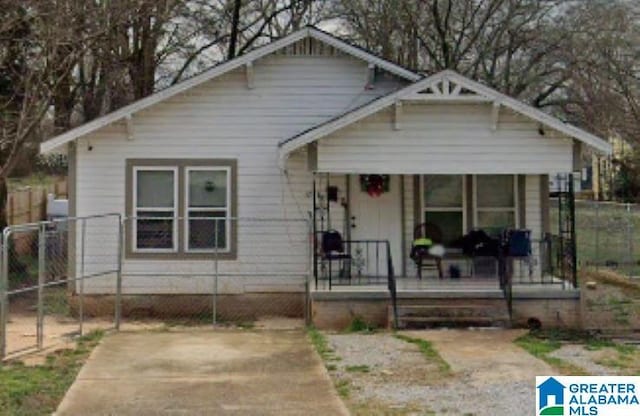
(41, 291)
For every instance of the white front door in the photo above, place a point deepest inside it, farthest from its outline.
(375, 218)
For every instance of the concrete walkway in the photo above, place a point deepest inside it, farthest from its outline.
(203, 372)
(485, 355)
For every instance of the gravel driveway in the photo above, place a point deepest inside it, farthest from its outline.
(490, 374)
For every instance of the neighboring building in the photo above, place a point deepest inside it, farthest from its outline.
(605, 168)
(255, 136)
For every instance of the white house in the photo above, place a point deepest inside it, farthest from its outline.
(287, 133)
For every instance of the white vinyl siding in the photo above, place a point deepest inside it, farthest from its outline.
(444, 139)
(224, 119)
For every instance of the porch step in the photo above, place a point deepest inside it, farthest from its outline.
(450, 312)
(478, 320)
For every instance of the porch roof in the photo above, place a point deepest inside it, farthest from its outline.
(444, 87)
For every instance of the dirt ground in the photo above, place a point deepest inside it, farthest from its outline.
(485, 355)
(60, 331)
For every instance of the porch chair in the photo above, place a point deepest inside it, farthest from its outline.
(427, 249)
(517, 245)
(483, 251)
(332, 246)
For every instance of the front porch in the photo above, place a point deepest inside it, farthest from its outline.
(454, 157)
(371, 273)
(372, 234)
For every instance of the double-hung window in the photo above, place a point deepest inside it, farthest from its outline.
(443, 202)
(495, 202)
(181, 208)
(207, 206)
(155, 208)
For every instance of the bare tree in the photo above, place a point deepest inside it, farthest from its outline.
(604, 94)
(34, 61)
(507, 44)
(258, 22)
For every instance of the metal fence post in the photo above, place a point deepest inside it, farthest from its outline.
(42, 241)
(118, 301)
(214, 305)
(307, 288)
(83, 240)
(596, 253)
(629, 240)
(4, 287)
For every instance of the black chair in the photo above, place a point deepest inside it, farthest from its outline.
(332, 246)
(483, 251)
(420, 254)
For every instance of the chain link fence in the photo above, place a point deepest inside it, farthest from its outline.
(607, 235)
(208, 268)
(62, 278)
(41, 293)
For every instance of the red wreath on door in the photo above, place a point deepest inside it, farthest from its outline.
(373, 184)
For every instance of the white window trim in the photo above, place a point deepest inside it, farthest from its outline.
(134, 234)
(462, 209)
(226, 209)
(514, 209)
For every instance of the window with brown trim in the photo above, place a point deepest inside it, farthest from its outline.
(181, 208)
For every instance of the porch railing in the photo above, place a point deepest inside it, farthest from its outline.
(505, 274)
(363, 262)
(391, 282)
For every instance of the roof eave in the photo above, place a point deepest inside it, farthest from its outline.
(289, 145)
(218, 70)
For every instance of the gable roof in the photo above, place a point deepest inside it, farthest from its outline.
(444, 86)
(307, 32)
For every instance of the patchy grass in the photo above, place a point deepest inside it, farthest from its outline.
(432, 355)
(357, 369)
(321, 345)
(625, 359)
(246, 325)
(541, 348)
(56, 301)
(375, 408)
(347, 379)
(37, 390)
(359, 325)
(343, 387)
(598, 344)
